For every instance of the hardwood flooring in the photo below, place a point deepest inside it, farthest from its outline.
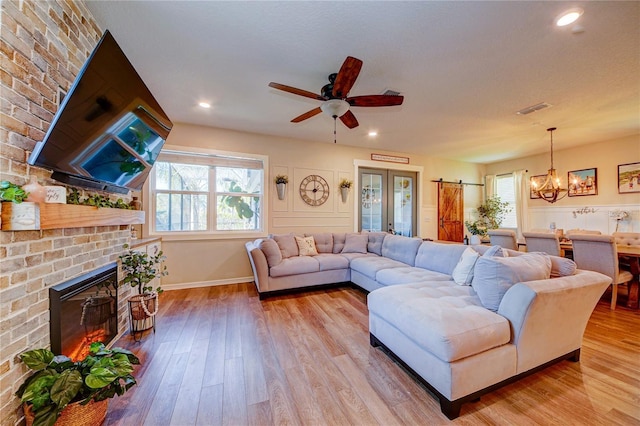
(220, 356)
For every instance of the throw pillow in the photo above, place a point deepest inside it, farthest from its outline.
(493, 276)
(463, 272)
(306, 246)
(375, 242)
(287, 244)
(324, 241)
(338, 242)
(356, 243)
(494, 251)
(271, 251)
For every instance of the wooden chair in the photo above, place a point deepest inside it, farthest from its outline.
(546, 242)
(599, 253)
(505, 238)
(571, 232)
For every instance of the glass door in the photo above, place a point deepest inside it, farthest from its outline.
(388, 201)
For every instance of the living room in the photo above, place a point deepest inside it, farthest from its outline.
(47, 43)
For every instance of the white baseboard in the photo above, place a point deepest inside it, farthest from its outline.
(197, 284)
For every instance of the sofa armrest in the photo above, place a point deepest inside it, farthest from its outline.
(258, 265)
(548, 317)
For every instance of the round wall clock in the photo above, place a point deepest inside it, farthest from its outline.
(314, 190)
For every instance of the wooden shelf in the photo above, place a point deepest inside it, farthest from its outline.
(34, 216)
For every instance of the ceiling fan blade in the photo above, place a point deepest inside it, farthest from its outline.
(349, 120)
(375, 100)
(346, 77)
(295, 91)
(306, 115)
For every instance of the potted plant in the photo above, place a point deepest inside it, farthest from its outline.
(12, 192)
(491, 213)
(345, 184)
(61, 389)
(281, 185)
(140, 269)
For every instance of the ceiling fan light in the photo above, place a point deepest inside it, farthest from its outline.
(569, 17)
(335, 107)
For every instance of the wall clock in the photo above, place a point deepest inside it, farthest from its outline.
(314, 190)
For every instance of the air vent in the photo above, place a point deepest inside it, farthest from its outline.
(534, 108)
(390, 92)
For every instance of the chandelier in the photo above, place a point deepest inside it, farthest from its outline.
(550, 189)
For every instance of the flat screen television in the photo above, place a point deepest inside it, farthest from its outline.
(108, 130)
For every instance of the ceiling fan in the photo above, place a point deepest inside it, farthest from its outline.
(336, 102)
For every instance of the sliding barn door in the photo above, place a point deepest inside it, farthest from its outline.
(450, 212)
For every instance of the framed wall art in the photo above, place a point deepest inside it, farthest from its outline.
(583, 182)
(535, 181)
(628, 178)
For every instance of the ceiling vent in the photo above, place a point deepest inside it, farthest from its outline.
(533, 108)
(390, 92)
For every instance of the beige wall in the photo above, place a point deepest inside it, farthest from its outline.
(220, 261)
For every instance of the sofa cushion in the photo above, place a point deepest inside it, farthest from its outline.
(306, 246)
(495, 251)
(562, 267)
(355, 243)
(329, 261)
(402, 249)
(446, 320)
(493, 276)
(324, 241)
(439, 257)
(463, 272)
(287, 244)
(338, 242)
(375, 242)
(409, 274)
(370, 265)
(271, 251)
(294, 266)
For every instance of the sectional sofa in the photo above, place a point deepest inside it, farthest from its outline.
(464, 320)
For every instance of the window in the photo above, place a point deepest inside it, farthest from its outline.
(206, 193)
(505, 189)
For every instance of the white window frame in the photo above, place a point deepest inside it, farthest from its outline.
(512, 203)
(149, 199)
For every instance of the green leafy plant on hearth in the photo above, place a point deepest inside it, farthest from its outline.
(96, 200)
(58, 381)
(12, 192)
(491, 213)
(140, 268)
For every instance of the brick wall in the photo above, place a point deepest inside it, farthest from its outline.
(43, 45)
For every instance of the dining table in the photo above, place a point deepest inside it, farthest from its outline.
(632, 254)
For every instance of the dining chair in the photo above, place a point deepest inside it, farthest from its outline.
(546, 242)
(599, 253)
(627, 238)
(581, 231)
(505, 238)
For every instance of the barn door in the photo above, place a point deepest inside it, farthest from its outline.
(450, 212)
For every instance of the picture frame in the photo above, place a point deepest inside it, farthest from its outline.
(539, 180)
(582, 182)
(628, 178)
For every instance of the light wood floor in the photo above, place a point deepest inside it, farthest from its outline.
(222, 356)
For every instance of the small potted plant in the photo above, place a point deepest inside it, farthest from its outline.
(61, 389)
(281, 185)
(12, 192)
(139, 270)
(345, 185)
(491, 213)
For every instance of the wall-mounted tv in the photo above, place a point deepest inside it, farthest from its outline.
(108, 130)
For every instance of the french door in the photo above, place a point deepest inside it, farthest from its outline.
(388, 201)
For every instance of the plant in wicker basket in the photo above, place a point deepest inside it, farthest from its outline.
(59, 384)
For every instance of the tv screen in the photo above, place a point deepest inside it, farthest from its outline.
(108, 130)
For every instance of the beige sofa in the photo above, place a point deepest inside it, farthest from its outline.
(464, 320)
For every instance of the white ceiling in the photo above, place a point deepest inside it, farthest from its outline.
(464, 68)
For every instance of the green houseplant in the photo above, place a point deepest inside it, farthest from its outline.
(57, 381)
(12, 192)
(491, 213)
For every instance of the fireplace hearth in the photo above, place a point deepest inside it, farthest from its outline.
(84, 310)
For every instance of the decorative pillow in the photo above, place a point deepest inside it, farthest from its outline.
(287, 244)
(306, 246)
(495, 251)
(375, 242)
(562, 267)
(493, 276)
(356, 243)
(463, 272)
(324, 241)
(271, 251)
(338, 242)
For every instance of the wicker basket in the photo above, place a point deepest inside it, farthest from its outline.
(76, 414)
(135, 305)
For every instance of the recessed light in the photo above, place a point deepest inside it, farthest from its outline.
(373, 133)
(569, 17)
(204, 105)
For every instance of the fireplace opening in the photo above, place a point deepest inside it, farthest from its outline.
(84, 310)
